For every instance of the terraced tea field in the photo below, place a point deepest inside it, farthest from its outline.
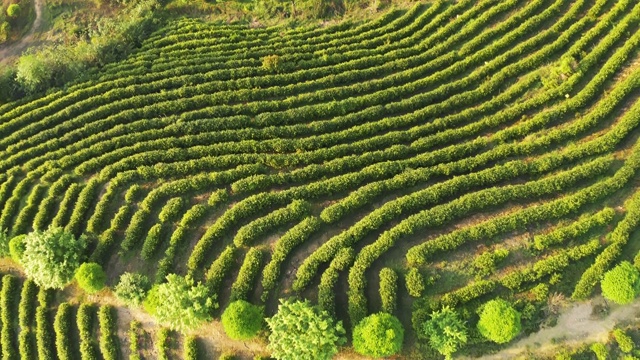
(443, 155)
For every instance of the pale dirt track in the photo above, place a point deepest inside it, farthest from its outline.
(15, 49)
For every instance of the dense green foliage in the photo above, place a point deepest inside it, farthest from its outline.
(132, 288)
(300, 330)
(242, 320)
(91, 277)
(51, 257)
(183, 305)
(445, 331)
(378, 335)
(622, 283)
(499, 321)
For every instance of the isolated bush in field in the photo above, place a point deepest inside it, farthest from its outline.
(242, 320)
(51, 257)
(446, 332)
(13, 11)
(91, 277)
(182, 304)
(16, 248)
(378, 335)
(499, 321)
(621, 284)
(132, 288)
(302, 331)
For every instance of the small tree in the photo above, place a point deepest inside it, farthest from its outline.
(91, 277)
(51, 257)
(182, 304)
(446, 332)
(621, 284)
(378, 335)
(242, 320)
(13, 11)
(499, 321)
(302, 331)
(132, 288)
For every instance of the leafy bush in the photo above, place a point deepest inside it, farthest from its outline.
(13, 10)
(600, 350)
(191, 351)
(132, 288)
(414, 282)
(378, 335)
(445, 331)
(162, 344)
(499, 321)
(16, 248)
(108, 333)
(625, 343)
(300, 330)
(622, 283)
(91, 278)
(272, 63)
(486, 263)
(242, 320)
(62, 328)
(388, 289)
(51, 257)
(183, 305)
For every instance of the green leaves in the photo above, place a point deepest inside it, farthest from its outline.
(621, 284)
(242, 320)
(499, 321)
(445, 331)
(378, 335)
(302, 331)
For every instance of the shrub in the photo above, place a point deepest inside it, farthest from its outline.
(16, 248)
(91, 278)
(242, 320)
(182, 304)
(247, 274)
(625, 343)
(272, 63)
(132, 288)
(108, 333)
(622, 283)
(191, 351)
(486, 263)
(162, 344)
(13, 11)
(446, 332)
(62, 328)
(378, 335)
(302, 331)
(415, 282)
(388, 289)
(51, 257)
(600, 350)
(499, 321)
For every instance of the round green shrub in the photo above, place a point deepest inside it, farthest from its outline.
(132, 288)
(621, 284)
(499, 321)
(242, 320)
(13, 11)
(91, 277)
(16, 248)
(378, 335)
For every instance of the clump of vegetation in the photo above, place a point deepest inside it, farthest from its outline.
(51, 257)
(272, 63)
(487, 262)
(13, 10)
(621, 284)
(132, 288)
(242, 320)
(415, 282)
(91, 277)
(302, 331)
(499, 321)
(625, 342)
(600, 350)
(445, 331)
(16, 248)
(182, 304)
(378, 335)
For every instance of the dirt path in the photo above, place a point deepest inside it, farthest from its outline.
(14, 49)
(575, 325)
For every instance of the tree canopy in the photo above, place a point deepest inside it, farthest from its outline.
(621, 284)
(90, 277)
(378, 335)
(302, 331)
(499, 321)
(183, 305)
(51, 257)
(242, 320)
(132, 288)
(446, 332)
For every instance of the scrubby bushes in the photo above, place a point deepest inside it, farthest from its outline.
(242, 320)
(7, 315)
(625, 342)
(499, 321)
(190, 351)
(445, 331)
(247, 274)
(182, 304)
(84, 321)
(621, 284)
(162, 343)
(388, 290)
(132, 288)
(91, 278)
(378, 335)
(62, 328)
(414, 281)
